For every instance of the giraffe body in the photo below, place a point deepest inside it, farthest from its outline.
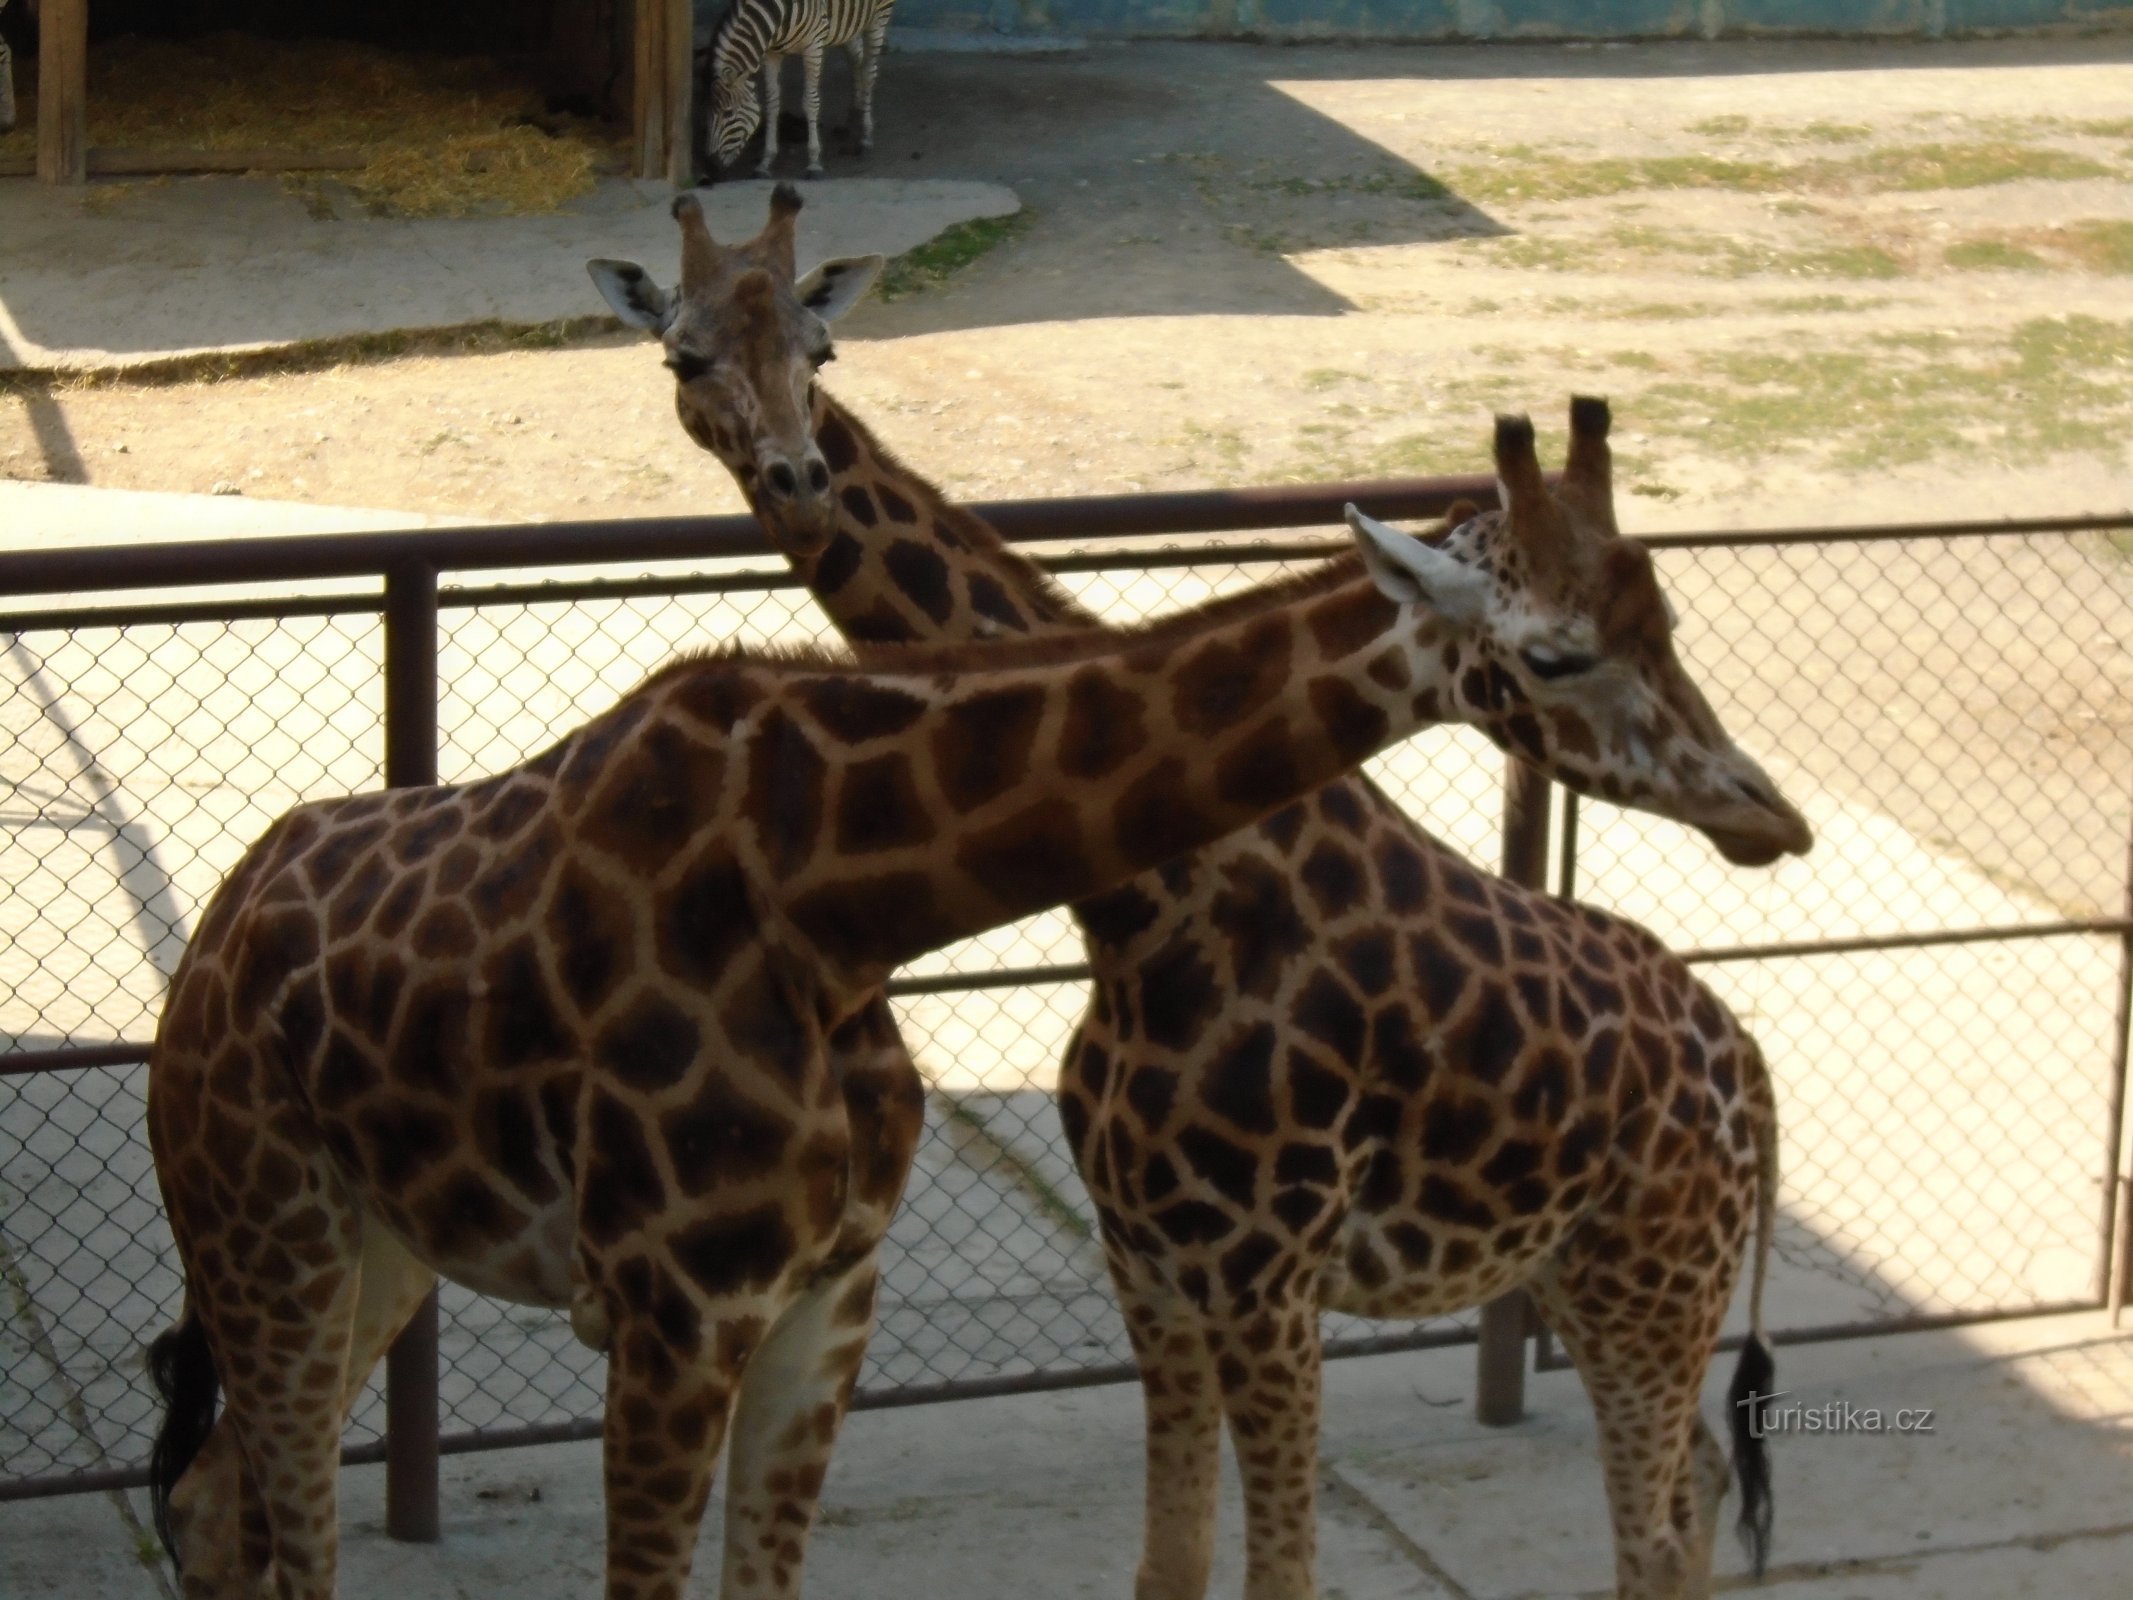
(1327, 1064)
(605, 1031)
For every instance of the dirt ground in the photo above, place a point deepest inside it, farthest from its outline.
(1888, 280)
(1822, 283)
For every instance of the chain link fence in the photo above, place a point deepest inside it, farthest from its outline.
(1939, 987)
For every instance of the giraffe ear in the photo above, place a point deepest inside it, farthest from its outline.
(836, 286)
(1418, 574)
(636, 299)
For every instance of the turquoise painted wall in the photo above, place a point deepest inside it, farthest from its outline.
(1514, 19)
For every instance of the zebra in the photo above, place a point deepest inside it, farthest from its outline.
(761, 33)
(7, 80)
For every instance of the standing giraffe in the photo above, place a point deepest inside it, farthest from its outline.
(582, 1034)
(1328, 1065)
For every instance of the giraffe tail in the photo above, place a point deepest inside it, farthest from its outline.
(183, 1370)
(1748, 1397)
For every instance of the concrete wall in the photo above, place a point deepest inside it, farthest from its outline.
(1514, 19)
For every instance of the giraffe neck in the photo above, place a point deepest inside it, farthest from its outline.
(906, 567)
(955, 790)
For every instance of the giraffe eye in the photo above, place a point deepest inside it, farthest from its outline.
(687, 368)
(1548, 664)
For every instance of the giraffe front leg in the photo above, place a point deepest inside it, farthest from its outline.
(771, 65)
(671, 1379)
(811, 65)
(792, 1404)
(1270, 1375)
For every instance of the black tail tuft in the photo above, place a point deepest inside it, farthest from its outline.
(1748, 1402)
(183, 1369)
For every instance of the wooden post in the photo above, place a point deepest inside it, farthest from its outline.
(681, 73)
(1500, 1368)
(661, 65)
(63, 92)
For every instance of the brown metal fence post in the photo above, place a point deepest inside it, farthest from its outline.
(1500, 1368)
(2116, 1265)
(411, 758)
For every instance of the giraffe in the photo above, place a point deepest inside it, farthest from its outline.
(1327, 1064)
(593, 1033)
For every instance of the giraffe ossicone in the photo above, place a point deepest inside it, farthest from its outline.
(1329, 1064)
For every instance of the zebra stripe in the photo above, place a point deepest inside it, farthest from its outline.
(757, 35)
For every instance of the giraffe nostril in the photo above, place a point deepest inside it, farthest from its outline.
(818, 477)
(1755, 794)
(780, 477)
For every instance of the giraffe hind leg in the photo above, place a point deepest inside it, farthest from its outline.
(1663, 1471)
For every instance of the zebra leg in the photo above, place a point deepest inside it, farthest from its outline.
(856, 48)
(877, 41)
(811, 60)
(771, 66)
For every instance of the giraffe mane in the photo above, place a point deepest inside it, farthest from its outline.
(1092, 642)
(1047, 596)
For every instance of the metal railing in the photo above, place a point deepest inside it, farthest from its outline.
(171, 728)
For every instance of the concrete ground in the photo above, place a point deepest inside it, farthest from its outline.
(238, 265)
(2024, 1487)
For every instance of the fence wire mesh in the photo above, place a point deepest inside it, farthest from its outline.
(1953, 716)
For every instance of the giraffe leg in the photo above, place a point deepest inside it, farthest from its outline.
(811, 64)
(283, 1355)
(791, 1405)
(216, 1513)
(1645, 1376)
(219, 1523)
(670, 1388)
(1269, 1369)
(1183, 1437)
(771, 64)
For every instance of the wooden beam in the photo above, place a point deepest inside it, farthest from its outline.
(63, 92)
(681, 59)
(648, 90)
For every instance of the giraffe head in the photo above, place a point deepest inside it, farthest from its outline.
(1578, 675)
(744, 340)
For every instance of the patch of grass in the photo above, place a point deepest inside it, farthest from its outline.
(1409, 185)
(1835, 261)
(1821, 304)
(2107, 128)
(1832, 133)
(1992, 255)
(1965, 166)
(1725, 127)
(1326, 377)
(940, 258)
(2054, 384)
(1557, 179)
(2101, 246)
